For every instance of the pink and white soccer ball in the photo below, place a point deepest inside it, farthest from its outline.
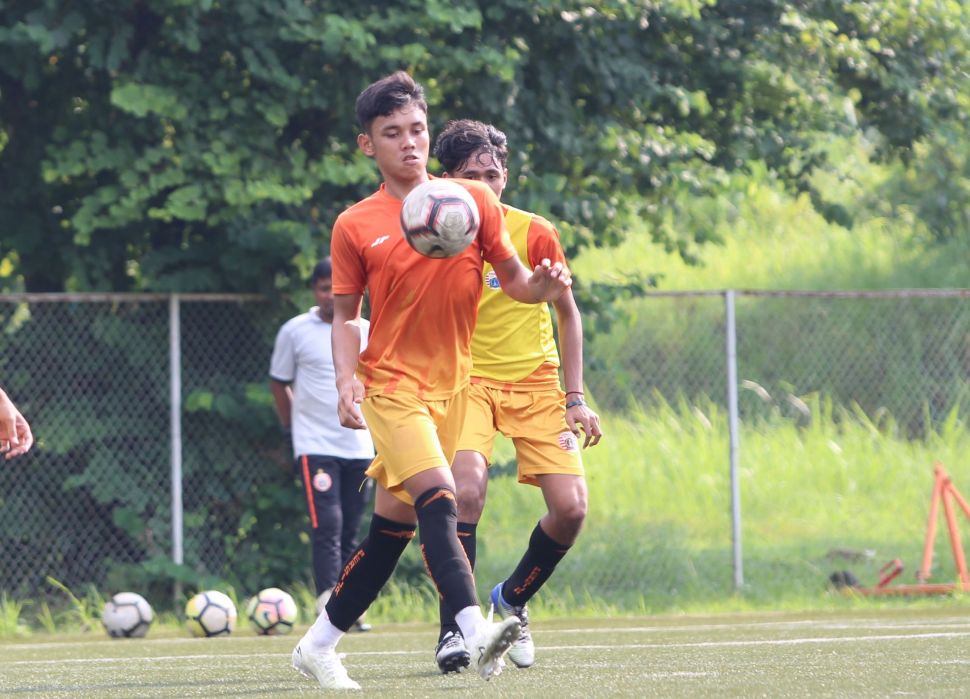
(439, 218)
(272, 612)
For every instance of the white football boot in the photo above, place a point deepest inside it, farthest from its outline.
(323, 666)
(490, 644)
(523, 651)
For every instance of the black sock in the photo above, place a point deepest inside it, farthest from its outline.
(466, 537)
(368, 568)
(443, 555)
(534, 569)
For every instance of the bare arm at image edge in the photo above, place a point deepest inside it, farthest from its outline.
(15, 435)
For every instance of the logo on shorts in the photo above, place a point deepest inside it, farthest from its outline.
(322, 482)
(491, 280)
(567, 440)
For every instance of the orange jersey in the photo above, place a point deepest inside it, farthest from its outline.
(423, 310)
(513, 342)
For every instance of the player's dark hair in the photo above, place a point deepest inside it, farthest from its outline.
(387, 95)
(462, 139)
(322, 270)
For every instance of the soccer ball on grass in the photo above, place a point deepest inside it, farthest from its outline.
(210, 613)
(439, 218)
(127, 615)
(272, 612)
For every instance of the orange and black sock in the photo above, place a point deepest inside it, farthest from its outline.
(444, 557)
(540, 559)
(466, 537)
(367, 569)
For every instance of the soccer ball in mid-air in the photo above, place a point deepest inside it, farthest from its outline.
(272, 612)
(439, 218)
(127, 615)
(210, 613)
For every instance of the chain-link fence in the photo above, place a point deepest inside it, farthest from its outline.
(93, 503)
(895, 362)
(904, 354)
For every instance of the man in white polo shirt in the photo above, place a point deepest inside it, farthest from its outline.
(330, 459)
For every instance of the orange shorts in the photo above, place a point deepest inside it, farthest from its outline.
(535, 421)
(411, 435)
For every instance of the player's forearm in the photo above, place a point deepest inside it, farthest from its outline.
(570, 326)
(282, 398)
(513, 277)
(346, 351)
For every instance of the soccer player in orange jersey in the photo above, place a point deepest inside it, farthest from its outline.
(410, 382)
(515, 390)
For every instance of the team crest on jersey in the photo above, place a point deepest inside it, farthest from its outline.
(567, 440)
(322, 482)
(491, 280)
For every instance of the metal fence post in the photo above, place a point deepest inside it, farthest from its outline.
(175, 412)
(731, 347)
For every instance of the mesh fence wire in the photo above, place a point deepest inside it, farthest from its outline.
(93, 379)
(92, 503)
(899, 355)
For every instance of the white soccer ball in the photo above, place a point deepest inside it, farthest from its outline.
(439, 218)
(127, 615)
(272, 612)
(210, 613)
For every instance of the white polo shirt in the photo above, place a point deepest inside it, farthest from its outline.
(302, 355)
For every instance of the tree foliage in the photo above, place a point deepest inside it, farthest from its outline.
(207, 145)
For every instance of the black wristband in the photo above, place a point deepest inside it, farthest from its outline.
(574, 403)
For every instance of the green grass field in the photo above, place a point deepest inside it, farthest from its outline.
(849, 653)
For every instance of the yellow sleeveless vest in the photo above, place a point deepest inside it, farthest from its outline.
(511, 339)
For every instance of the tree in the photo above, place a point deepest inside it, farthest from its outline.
(209, 145)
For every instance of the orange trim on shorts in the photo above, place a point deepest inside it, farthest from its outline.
(308, 487)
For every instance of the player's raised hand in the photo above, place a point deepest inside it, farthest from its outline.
(549, 281)
(580, 416)
(348, 405)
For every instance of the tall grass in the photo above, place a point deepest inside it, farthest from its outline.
(12, 622)
(81, 613)
(658, 536)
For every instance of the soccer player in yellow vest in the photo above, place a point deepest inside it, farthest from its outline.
(515, 390)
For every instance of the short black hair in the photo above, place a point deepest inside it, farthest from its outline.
(463, 138)
(387, 95)
(322, 270)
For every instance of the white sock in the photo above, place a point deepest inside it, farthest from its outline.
(470, 621)
(323, 635)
